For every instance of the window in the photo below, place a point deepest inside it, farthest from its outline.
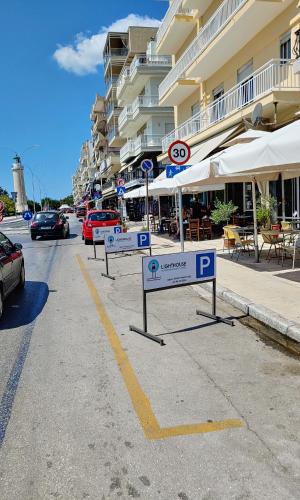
(103, 216)
(218, 108)
(195, 109)
(244, 76)
(6, 244)
(285, 46)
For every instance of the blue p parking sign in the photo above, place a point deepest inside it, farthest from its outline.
(143, 239)
(206, 265)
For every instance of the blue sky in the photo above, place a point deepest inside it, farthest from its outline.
(50, 71)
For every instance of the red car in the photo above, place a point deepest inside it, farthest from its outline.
(98, 218)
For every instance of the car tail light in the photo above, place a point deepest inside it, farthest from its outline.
(34, 224)
(58, 223)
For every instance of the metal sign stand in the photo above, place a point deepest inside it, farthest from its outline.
(107, 275)
(144, 332)
(95, 254)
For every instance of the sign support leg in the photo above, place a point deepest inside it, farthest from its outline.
(213, 315)
(147, 201)
(107, 275)
(144, 332)
(95, 254)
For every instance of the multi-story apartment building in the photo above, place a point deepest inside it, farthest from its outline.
(232, 70)
(119, 51)
(142, 122)
(84, 177)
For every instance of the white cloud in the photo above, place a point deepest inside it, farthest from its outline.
(85, 54)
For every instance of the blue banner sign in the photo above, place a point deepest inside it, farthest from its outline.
(172, 170)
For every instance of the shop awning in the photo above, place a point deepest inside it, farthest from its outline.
(202, 150)
(131, 162)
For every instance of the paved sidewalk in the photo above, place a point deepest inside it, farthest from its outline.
(271, 293)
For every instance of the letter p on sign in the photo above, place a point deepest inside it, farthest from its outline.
(143, 240)
(205, 266)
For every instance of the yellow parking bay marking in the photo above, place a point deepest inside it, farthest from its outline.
(139, 399)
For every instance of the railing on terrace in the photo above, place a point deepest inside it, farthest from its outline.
(113, 132)
(142, 142)
(111, 82)
(145, 101)
(276, 74)
(111, 183)
(115, 53)
(141, 60)
(126, 114)
(175, 8)
(210, 30)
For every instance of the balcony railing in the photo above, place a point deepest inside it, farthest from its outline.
(175, 8)
(210, 30)
(113, 132)
(125, 115)
(112, 107)
(144, 101)
(115, 53)
(277, 74)
(141, 61)
(133, 147)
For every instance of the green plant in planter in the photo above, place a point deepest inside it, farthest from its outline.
(265, 207)
(223, 211)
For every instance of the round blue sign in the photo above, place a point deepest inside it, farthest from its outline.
(147, 165)
(27, 215)
(153, 266)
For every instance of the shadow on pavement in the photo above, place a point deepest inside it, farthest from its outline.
(23, 307)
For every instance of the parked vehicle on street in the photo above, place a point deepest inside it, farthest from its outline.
(81, 211)
(50, 223)
(98, 218)
(12, 269)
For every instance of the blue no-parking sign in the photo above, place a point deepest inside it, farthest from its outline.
(27, 215)
(147, 165)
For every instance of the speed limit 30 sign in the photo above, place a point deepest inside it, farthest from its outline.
(179, 152)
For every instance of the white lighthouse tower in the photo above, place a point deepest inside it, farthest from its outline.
(19, 185)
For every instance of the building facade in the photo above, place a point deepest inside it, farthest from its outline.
(233, 68)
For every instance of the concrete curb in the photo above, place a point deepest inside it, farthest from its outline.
(266, 316)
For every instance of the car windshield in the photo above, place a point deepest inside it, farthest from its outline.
(103, 216)
(46, 217)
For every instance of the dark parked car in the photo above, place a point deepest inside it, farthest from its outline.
(12, 270)
(81, 211)
(50, 223)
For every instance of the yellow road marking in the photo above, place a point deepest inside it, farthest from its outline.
(139, 399)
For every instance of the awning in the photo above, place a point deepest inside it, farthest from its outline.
(202, 150)
(131, 162)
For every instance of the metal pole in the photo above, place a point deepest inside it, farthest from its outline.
(214, 292)
(283, 198)
(297, 197)
(255, 222)
(180, 219)
(145, 311)
(95, 256)
(106, 260)
(147, 201)
(159, 209)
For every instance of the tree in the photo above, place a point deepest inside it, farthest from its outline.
(50, 203)
(3, 191)
(31, 205)
(68, 200)
(9, 204)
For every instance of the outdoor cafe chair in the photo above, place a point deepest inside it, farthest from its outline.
(272, 239)
(291, 250)
(206, 228)
(240, 245)
(194, 229)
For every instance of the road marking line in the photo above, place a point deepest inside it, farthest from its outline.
(140, 401)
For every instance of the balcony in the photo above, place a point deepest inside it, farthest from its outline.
(134, 116)
(115, 56)
(110, 84)
(176, 26)
(232, 25)
(276, 79)
(109, 186)
(133, 78)
(113, 137)
(99, 141)
(142, 144)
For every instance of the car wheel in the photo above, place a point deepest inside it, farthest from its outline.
(1, 303)
(33, 237)
(21, 283)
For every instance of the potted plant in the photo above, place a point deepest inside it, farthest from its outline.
(265, 210)
(223, 211)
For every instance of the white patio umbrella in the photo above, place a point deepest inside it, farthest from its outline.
(262, 160)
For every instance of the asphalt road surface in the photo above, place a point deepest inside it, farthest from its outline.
(91, 410)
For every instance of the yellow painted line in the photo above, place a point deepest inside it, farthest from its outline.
(139, 399)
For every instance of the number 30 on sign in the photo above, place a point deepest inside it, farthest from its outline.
(179, 152)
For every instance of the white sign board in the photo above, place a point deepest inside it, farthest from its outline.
(99, 233)
(176, 269)
(115, 243)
